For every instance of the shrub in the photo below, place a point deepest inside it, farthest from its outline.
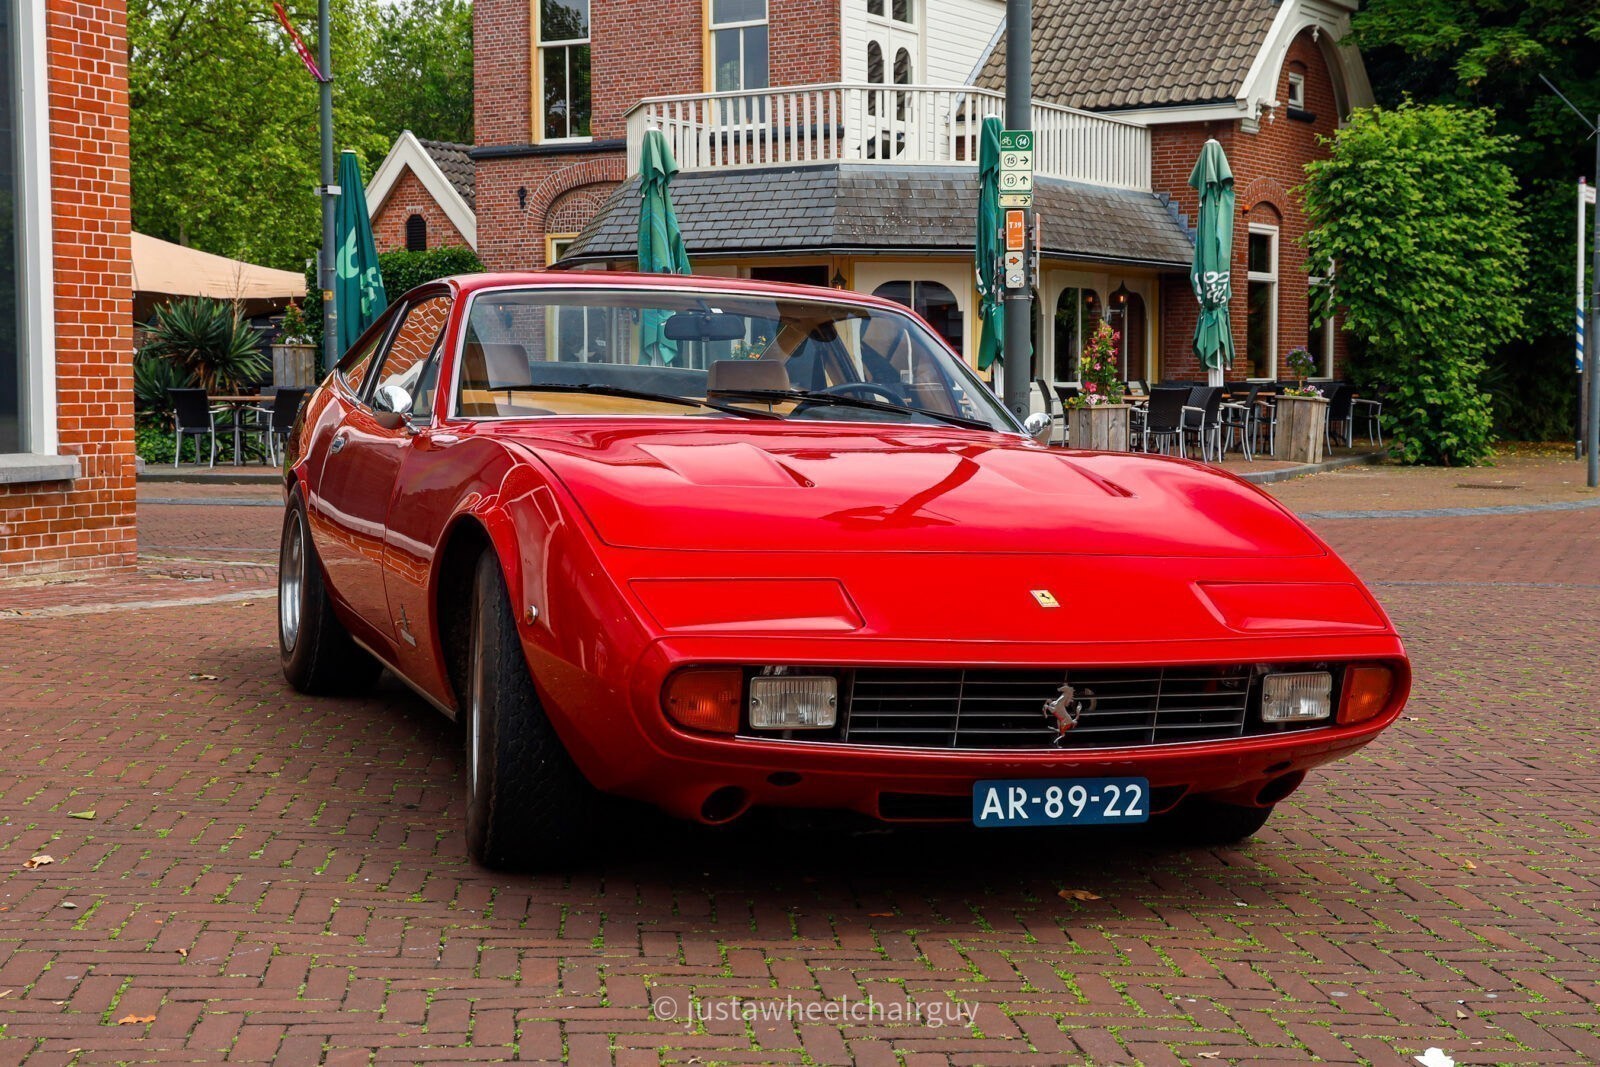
(402, 271)
(208, 342)
(152, 376)
(1413, 215)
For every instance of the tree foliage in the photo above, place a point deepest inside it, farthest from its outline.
(224, 123)
(402, 271)
(1414, 215)
(1488, 53)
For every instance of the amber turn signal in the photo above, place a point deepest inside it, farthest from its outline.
(1366, 692)
(705, 698)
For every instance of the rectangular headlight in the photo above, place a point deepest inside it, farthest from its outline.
(1302, 697)
(793, 702)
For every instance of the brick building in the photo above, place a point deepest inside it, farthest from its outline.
(66, 348)
(423, 195)
(834, 141)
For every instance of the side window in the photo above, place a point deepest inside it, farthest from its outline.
(407, 363)
(357, 363)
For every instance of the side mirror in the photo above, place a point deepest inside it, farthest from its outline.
(392, 405)
(1037, 427)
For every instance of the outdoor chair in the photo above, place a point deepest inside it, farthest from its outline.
(1266, 415)
(1163, 418)
(277, 421)
(192, 415)
(1369, 411)
(1340, 408)
(1136, 385)
(1239, 417)
(1235, 390)
(1202, 418)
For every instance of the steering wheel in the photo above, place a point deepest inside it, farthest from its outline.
(871, 390)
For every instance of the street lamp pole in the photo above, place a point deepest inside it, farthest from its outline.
(328, 256)
(1017, 370)
(1592, 372)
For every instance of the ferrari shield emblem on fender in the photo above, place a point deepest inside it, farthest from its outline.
(1046, 598)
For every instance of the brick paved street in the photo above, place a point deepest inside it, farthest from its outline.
(267, 876)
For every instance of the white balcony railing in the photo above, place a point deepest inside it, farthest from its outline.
(899, 124)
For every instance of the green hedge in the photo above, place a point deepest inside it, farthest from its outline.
(402, 271)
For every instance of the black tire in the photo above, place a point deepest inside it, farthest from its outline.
(528, 805)
(1208, 822)
(319, 656)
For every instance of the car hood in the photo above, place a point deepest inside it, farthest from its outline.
(788, 487)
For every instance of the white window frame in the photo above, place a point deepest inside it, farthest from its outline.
(542, 47)
(1297, 91)
(36, 282)
(1325, 355)
(1266, 277)
(713, 26)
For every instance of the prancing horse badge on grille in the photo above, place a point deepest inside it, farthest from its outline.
(1063, 709)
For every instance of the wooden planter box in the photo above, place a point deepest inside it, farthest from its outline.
(1302, 428)
(294, 366)
(1103, 428)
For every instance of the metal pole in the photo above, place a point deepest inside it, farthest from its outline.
(1018, 368)
(1592, 430)
(325, 272)
(1582, 345)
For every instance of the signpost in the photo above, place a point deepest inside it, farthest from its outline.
(1016, 192)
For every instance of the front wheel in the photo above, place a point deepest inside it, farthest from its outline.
(528, 805)
(317, 652)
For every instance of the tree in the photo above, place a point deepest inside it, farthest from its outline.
(1487, 53)
(419, 76)
(1413, 215)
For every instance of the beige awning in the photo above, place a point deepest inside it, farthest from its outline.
(163, 267)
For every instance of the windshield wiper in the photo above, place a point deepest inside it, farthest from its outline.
(636, 394)
(819, 396)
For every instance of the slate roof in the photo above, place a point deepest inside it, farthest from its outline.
(457, 166)
(1108, 54)
(845, 208)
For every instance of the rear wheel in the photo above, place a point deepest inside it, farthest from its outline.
(1209, 822)
(528, 805)
(317, 652)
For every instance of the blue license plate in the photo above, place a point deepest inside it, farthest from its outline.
(1060, 802)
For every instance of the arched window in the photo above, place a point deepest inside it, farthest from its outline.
(902, 76)
(874, 74)
(416, 234)
(1077, 312)
(1127, 318)
(934, 302)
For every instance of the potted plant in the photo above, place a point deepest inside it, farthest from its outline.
(1099, 418)
(1302, 411)
(294, 355)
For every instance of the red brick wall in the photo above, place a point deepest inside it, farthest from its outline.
(636, 51)
(87, 524)
(407, 197)
(1267, 167)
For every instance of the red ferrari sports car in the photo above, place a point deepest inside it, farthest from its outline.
(712, 544)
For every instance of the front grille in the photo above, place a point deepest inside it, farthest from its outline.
(1005, 708)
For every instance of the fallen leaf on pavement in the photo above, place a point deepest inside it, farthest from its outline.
(1461, 1014)
(202, 678)
(69, 905)
(37, 862)
(1435, 1057)
(7, 993)
(1469, 865)
(81, 814)
(1077, 894)
(1211, 1055)
(881, 914)
(135, 1020)
(184, 953)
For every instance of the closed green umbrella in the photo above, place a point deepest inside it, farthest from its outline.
(989, 249)
(358, 296)
(661, 248)
(1213, 260)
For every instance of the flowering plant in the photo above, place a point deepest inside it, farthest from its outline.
(1097, 369)
(1302, 364)
(1302, 390)
(293, 330)
(749, 349)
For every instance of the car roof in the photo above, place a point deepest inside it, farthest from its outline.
(466, 284)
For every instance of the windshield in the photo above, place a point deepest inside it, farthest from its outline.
(540, 352)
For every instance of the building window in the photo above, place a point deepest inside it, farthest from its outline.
(13, 371)
(1319, 335)
(556, 245)
(1077, 313)
(1261, 333)
(739, 44)
(934, 302)
(1297, 91)
(416, 234)
(900, 11)
(564, 68)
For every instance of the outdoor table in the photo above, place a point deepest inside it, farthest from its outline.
(238, 404)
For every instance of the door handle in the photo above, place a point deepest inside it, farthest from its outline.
(337, 444)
